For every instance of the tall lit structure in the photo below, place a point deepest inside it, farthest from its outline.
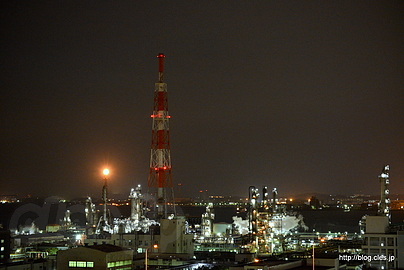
(91, 216)
(160, 160)
(253, 215)
(384, 205)
(104, 196)
(207, 221)
(103, 224)
(136, 203)
(265, 197)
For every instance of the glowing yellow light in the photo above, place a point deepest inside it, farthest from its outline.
(105, 171)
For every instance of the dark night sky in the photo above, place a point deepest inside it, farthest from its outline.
(305, 96)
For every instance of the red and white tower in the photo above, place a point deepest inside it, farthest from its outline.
(160, 160)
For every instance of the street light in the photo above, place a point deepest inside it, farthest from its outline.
(146, 257)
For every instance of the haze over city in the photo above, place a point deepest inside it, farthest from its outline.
(301, 96)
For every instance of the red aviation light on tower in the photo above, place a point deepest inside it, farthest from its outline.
(161, 66)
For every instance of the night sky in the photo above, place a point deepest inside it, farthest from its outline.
(304, 96)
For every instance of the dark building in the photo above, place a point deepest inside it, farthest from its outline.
(96, 257)
(5, 246)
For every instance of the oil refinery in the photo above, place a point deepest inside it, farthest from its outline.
(154, 234)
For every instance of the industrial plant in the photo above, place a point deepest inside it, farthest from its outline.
(269, 234)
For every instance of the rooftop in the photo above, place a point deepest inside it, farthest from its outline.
(106, 248)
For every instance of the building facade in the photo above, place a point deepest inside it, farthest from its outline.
(383, 247)
(96, 257)
(5, 245)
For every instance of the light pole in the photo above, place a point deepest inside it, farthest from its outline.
(146, 255)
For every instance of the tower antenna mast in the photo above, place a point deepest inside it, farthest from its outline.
(160, 159)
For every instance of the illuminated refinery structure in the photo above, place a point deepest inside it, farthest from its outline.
(207, 221)
(105, 225)
(166, 232)
(265, 221)
(104, 222)
(384, 205)
(91, 216)
(270, 227)
(160, 159)
(380, 235)
(159, 178)
(136, 203)
(267, 230)
(155, 219)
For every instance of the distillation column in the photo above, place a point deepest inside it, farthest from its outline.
(384, 205)
(253, 216)
(136, 203)
(265, 198)
(160, 160)
(91, 216)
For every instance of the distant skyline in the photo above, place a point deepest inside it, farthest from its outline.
(206, 196)
(304, 96)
